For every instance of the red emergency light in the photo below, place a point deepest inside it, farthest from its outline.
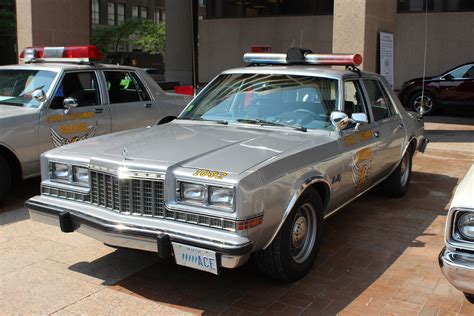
(79, 54)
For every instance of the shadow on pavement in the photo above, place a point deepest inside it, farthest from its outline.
(451, 136)
(360, 243)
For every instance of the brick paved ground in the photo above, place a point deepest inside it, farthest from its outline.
(379, 256)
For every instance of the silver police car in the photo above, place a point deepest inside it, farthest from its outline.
(253, 165)
(60, 96)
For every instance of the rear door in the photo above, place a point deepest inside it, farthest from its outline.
(130, 103)
(457, 87)
(91, 118)
(389, 129)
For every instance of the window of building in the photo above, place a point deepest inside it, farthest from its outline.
(111, 13)
(134, 11)
(163, 16)
(157, 15)
(95, 12)
(144, 12)
(120, 13)
(405, 6)
(258, 8)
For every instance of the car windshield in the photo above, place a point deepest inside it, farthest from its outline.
(267, 99)
(17, 86)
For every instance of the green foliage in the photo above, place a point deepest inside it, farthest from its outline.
(151, 37)
(145, 34)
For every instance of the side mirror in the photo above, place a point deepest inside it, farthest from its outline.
(39, 95)
(359, 118)
(69, 104)
(341, 121)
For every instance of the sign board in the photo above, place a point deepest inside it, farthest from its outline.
(261, 49)
(386, 56)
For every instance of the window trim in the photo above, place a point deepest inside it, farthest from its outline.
(65, 72)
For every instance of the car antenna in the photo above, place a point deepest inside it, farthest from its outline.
(424, 62)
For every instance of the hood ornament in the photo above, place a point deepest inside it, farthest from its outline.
(125, 154)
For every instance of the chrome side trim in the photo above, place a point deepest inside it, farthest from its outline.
(293, 201)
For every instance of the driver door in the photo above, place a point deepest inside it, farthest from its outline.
(60, 126)
(358, 145)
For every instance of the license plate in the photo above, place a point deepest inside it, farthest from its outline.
(196, 258)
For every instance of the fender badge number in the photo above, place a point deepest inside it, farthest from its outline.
(210, 174)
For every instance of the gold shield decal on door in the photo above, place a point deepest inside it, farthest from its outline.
(362, 165)
(59, 140)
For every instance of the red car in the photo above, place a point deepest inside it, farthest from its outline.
(453, 88)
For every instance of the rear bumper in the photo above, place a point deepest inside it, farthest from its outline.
(458, 268)
(117, 232)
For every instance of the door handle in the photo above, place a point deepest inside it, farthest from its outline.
(147, 105)
(99, 110)
(376, 134)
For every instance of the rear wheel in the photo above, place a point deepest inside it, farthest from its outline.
(425, 98)
(469, 297)
(5, 177)
(293, 251)
(396, 185)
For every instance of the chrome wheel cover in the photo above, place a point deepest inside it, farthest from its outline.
(426, 100)
(303, 233)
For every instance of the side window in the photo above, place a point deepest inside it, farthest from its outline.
(121, 87)
(378, 100)
(353, 101)
(81, 86)
(141, 88)
(463, 72)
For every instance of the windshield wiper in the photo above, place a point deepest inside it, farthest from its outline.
(270, 123)
(201, 119)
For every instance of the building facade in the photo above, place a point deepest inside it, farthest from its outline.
(231, 27)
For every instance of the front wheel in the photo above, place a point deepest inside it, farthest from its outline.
(469, 297)
(427, 99)
(292, 253)
(5, 177)
(396, 185)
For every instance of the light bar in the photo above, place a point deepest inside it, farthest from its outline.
(312, 59)
(78, 54)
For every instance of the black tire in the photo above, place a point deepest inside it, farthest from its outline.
(429, 98)
(5, 177)
(283, 260)
(396, 185)
(469, 297)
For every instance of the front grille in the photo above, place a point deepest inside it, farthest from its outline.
(129, 196)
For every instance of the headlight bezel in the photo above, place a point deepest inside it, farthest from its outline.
(69, 179)
(206, 201)
(457, 233)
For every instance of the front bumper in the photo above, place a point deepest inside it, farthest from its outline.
(458, 268)
(150, 235)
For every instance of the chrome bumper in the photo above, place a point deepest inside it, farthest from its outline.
(458, 268)
(118, 233)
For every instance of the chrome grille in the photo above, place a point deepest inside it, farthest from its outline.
(130, 196)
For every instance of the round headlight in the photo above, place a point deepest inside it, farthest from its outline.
(466, 225)
(59, 171)
(193, 192)
(221, 196)
(80, 175)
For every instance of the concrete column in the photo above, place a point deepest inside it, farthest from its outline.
(179, 44)
(357, 24)
(52, 23)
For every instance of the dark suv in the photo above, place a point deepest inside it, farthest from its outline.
(453, 88)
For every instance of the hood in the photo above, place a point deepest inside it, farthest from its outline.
(12, 110)
(228, 148)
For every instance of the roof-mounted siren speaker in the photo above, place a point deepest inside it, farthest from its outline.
(297, 56)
